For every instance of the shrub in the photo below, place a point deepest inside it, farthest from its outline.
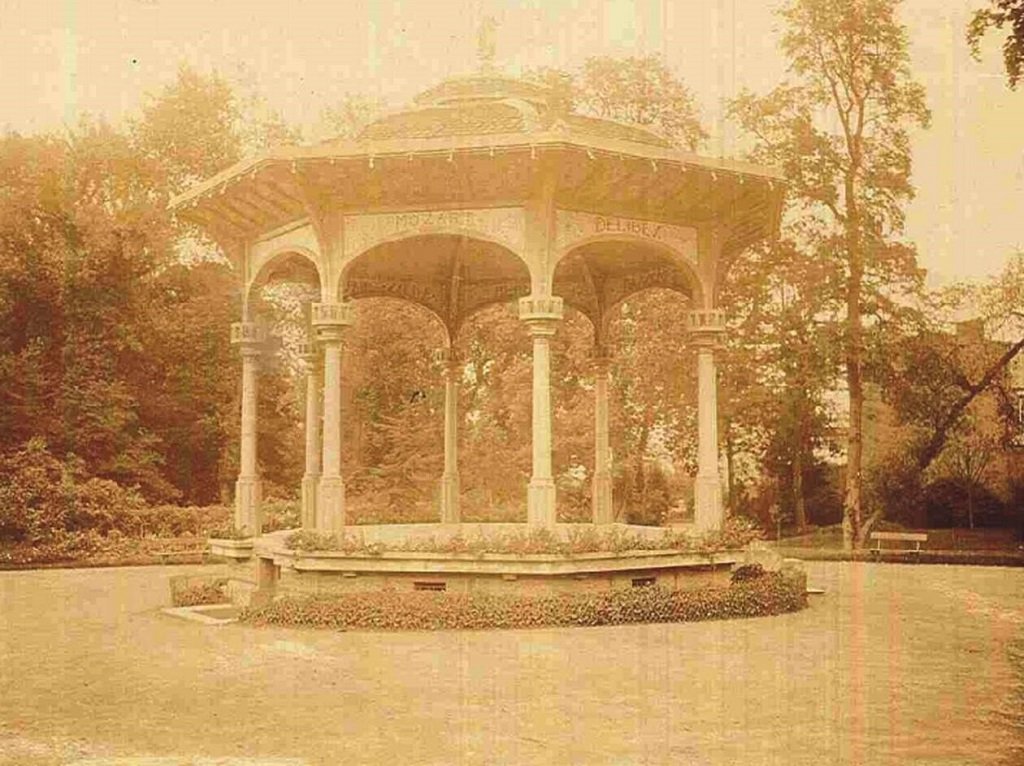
(418, 610)
(281, 514)
(36, 493)
(644, 489)
(103, 506)
(747, 572)
(200, 593)
(229, 532)
(946, 502)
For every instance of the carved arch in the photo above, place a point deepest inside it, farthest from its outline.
(302, 262)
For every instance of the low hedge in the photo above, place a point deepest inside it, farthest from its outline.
(200, 593)
(422, 610)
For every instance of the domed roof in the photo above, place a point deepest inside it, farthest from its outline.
(490, 103)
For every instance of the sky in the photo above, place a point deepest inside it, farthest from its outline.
(60, 59)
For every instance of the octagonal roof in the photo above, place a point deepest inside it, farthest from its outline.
(477, 139)
(489, 104)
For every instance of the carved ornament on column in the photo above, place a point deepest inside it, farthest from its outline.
(706, 326)
(250, 337)
(310, 355)
(541, 313)
(331, 319)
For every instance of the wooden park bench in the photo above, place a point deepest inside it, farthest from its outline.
(899, 537)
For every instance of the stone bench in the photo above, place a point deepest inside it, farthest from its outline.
(901, 537)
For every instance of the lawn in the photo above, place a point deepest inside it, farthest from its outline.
(892, 665)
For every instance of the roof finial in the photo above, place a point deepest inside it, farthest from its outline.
(485, 44)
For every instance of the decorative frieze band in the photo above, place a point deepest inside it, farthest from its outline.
(572, 226)
(505, 225)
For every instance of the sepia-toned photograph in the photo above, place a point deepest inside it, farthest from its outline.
(526, 382)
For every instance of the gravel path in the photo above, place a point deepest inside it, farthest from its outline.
(893, 665)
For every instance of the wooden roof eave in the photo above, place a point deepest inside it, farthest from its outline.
(558, 139)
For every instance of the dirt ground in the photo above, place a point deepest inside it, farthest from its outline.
(894, 664)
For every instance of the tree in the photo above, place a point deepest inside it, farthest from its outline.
(638, 90)
(968, 460)
(959, 384)
(780, 363)
(112, 350)
(349, 116)
(1001, 13)
(840, 133)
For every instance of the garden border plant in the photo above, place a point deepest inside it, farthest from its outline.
(736, 534)
(754, 595)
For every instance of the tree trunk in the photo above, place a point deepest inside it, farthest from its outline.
(852, 510)
(799, 503)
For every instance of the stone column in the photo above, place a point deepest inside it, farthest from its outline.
(542, 314)
(249, 337)
(311, 477)
(450, 479)
(330, 321)
(601, 490)
(706, 329)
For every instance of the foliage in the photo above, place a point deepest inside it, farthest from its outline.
(637, 90)
(955, 500)
(777, 370)
(644, 491)
(747, 572)
(643, 91)
(89, 548)
(391, 610)
(735, 534)
(841, 134)
(113, 334)
(200, 593)
(1000, 13)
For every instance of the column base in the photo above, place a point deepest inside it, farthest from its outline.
(248, 496)
(540, 502)
(450, 513)
(310, 485)
(601, 502)
(331, 505)
(708, 510)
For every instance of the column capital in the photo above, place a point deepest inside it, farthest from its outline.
(541, 313)
(250, 337)
(706, 326)
(330, 320)
(600, 360)
(310, 354)
(450, 360)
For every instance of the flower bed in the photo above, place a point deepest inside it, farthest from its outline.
(736, 534)
(91, 549)
(196, 593)
(392, 610)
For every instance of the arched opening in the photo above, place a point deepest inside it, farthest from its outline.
(393, 424)
(642, 380)
(452, 275)
(279, 298)
(414, 296)
(653, 406)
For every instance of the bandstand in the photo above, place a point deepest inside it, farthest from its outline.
(484, 191)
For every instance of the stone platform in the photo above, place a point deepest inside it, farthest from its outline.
(374, 564)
